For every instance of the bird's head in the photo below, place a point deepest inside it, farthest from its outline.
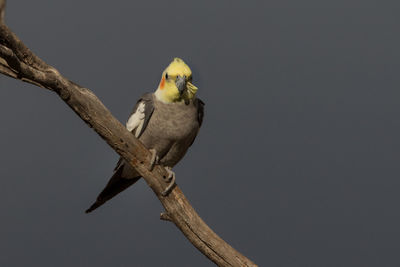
(176, 83)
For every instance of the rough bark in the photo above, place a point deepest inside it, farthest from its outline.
(2, 10)
(18, 62)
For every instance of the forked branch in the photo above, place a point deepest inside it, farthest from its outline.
(18, 62)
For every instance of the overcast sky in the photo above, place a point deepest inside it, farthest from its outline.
(297, 161)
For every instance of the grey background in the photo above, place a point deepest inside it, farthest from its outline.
(297, 160)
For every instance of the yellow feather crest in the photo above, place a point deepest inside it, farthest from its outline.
(178, 67)
(167, 90)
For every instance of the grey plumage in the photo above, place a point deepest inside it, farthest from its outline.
(169, 129)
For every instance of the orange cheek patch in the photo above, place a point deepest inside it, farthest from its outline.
(162, 83)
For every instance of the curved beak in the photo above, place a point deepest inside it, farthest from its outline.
(181, 83)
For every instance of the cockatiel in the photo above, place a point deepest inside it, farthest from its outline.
(166, 122)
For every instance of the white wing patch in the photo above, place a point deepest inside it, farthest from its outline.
(136, 120)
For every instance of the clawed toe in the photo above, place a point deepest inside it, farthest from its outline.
(169, 179)
(153, 160)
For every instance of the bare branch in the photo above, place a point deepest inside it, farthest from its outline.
(165, 217)
(2, 10)
(5, 69)
(18, 62)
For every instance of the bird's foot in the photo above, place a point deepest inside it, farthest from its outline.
(153, 160)
(170, 179)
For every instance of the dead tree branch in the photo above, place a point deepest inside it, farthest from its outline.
(2, 10)
(18, 62)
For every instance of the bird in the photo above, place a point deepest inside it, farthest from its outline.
(167, 122)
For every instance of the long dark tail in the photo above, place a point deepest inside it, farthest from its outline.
(115, 185)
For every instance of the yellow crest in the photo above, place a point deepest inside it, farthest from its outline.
(168, 90)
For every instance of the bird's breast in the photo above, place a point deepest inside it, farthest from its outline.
(171, 123)
(176, 121)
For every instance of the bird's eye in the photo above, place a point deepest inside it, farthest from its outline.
(166, 76)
